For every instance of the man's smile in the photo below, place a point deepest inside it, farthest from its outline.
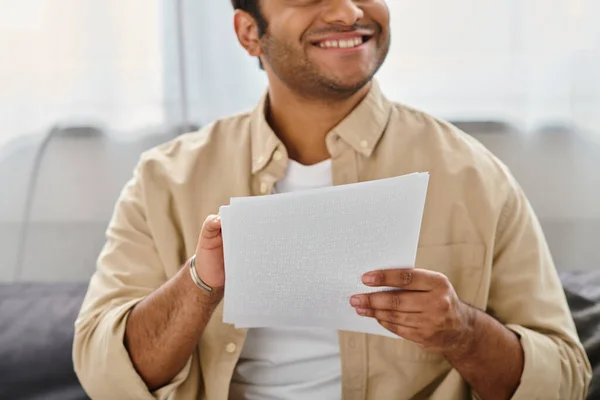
(347, 42)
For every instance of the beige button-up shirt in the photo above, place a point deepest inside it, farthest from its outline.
(478, 229)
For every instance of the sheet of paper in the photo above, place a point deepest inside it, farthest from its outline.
(295, 259)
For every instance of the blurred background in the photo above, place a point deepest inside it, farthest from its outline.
(87, 85)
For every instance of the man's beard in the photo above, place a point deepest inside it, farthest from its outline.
(299, 74)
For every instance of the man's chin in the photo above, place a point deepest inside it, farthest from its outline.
(349, 84)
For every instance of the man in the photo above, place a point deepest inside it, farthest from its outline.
(482, 315)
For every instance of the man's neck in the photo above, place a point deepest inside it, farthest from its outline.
(302, 124)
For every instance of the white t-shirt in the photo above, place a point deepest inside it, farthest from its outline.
(291, 363)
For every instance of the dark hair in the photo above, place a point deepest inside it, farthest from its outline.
(252, 7)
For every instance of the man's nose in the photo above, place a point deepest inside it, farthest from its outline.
(342, 12)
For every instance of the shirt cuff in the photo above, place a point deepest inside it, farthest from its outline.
(541, 376)
(119, 364)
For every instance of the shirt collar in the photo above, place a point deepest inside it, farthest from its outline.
(364, 126)
(361, 129)
(263, 140)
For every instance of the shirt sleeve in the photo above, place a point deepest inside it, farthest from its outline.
(527, 296)
(129, 268)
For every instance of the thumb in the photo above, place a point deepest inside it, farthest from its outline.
(211, 227)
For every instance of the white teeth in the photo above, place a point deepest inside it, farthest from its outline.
(343, 44)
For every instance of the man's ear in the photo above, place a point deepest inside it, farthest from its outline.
(247, 32)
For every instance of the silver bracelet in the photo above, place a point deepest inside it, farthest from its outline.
(196, 278)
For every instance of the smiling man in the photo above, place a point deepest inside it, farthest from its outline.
(482, 315)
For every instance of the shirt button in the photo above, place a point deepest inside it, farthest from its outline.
(364, 144)
(260, 160)
(231, 347)
(277, 156)
(264, 188)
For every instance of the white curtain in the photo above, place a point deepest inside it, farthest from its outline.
(530, 63)
(220, 77)
(97, 61)
(526, 62)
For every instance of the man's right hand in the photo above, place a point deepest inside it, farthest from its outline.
(209, 253)
(180, 309)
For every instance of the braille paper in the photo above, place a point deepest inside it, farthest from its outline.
(295, 259)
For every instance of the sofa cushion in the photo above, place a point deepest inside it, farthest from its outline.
(36, 336)
(583, 294)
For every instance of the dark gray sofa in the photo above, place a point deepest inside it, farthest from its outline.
(36, 333)
(62, 186)
(36, 336)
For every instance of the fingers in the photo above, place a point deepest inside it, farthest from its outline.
(410, 279)
(211, 227)
(403, 301)
(410, 320)
(406, 332)
(405, 325)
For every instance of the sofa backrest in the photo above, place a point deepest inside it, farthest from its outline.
(54, 224)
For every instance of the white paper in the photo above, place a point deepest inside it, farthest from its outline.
(295, 259)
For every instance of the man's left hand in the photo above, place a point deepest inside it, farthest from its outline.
(426, 310)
